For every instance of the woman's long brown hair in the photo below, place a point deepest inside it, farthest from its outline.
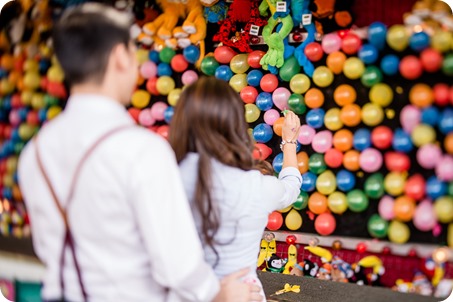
(209, 120)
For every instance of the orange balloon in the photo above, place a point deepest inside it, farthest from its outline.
(335, 61)
(314, 98)
(448, 143)
(7, 61)
(404, 208)
(351, 160)
(278, 125)
(17, 195)
(344, 94)
(14, 76)
(302, 162)
(350, 115)
(342, 140)
(140, 80)
(317, 203)
(421, 95)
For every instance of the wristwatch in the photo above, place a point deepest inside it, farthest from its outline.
(287, 142)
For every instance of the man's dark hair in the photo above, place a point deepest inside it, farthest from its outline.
(84, 38)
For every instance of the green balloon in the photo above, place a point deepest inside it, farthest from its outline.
(289, 69)
(377, 226)
(371, 76)
(296, 103)
(301, 201)
(374, 186)
(166, 54)
(447, 65)
(357, 200)
(50, 100)
(450, 188)
(316, 163)
(18, 147)
(209, 65)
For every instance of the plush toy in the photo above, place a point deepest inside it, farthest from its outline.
(341, 270)
(324, 272)
(292, 259)
(359, 277)
(331, 15)
(268, 247)
(324, 254)
(421, 284)
(403, 286)
(275, 264)
(216, 12)
(378, 269)
(306, 268)
(298, 9)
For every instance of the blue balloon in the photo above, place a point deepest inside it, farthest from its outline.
(164, 69)
(345, 180)
(362, 139)
(262, 133)
(43, 65)
(16, 177)
(390, 64)
(308, 181)
(42, 115)
(264, 101)
(315, 118)
(223, 72)
(15, 137)
(8, 147)
(402, 141)
(154, 56)
(446, 121)
(298, 147)
(3, 73)
(22, 112)
(7, 103)
(435, 188)
(377, 34)
(368, 53)
(430, 116)
(191, 53)
(168, 114)
(419, 41)
(254, 77)
(3, 115)
(277, 163)
(7, 193)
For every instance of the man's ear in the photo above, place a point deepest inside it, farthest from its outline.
(120, 57)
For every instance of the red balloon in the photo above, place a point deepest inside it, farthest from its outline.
(134, 112)
(382, 137)
(2, 166)
(43, 83)
(314, 52)
(361, 247)
(450, 93)
(249, 94)
(412, 253)
(261, 151)
(415, 187)
(441, 94)
(269, 82)
(57, 90)
(386, 250)
(351, 43)
(325, 224)
(7, 131)
(33, 118)
(291, 239)
(333, 158)
(411, 67)
(178, 63)
(274, 221)
(254, 58)
(224, 54)
(151, 86)
(431, 60)
(397, 161)
(16, 101)
(163, 131)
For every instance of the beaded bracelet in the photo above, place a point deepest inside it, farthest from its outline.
(287, 142)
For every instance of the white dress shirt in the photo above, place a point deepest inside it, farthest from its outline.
(244, 199)
(134, 234)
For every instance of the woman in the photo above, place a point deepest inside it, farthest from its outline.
(230, 198)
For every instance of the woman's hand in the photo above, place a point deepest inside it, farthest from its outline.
(291, 126)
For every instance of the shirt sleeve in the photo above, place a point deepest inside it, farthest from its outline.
(167, 227)
(278, 193)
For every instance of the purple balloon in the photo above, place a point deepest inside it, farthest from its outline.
(370, 160)
(444, 168)
(322, 141)
(428, 156)
(306, 134)
(410, 117)
(385, 207)
(280, 98)
(271, 116)
(425, 218)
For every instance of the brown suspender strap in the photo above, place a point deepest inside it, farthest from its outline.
(68, 238)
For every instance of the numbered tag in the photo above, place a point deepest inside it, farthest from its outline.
(254, 30)
(281, 6)
(306, 19)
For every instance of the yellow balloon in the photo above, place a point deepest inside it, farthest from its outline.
(238, 81)
(173, 96)
(442, 40)
(423, 134)
(337, 202)
(443, 207)
(37, 101)
(293, 220)
(322, 76)
(165, 85)
(353, 68)
(53, 112)
(394, 183)
(31, 65)
(252, 113)
(26, 97)
(381, 94)
(332, 119)
(142, 55)
(299, 83)
(239, 63)
(32, 80)
(140, 98)
(398, 232)
(6, 86)
(326, 183)
(55, 74)
(8, 180)
(372, 114)
(11, 164)
(450, 235)
(284, 210)
(398, 37)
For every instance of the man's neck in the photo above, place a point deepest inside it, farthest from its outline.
(89, 88)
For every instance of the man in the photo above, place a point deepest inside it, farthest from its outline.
(107, 208)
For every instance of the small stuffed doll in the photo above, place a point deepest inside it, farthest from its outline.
(403, 286)
(359, 277)
(378, 269)
(341, 270)
(298, 9)
(275, 264)
(331, 15)
(422, 286)
(324, 272)
(292, 259)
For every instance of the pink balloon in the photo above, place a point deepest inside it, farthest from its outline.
(410, 117)
(306, 134)
(157, 110)
(270, 116)
(322, 141)
(429, 155)
(14, 118)
(280, 98)
(331, 42)
(425, 218)
(188, 77)
(385, 207)
(444, 168)
(145, 118)
(148, 70)
(370, 160)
